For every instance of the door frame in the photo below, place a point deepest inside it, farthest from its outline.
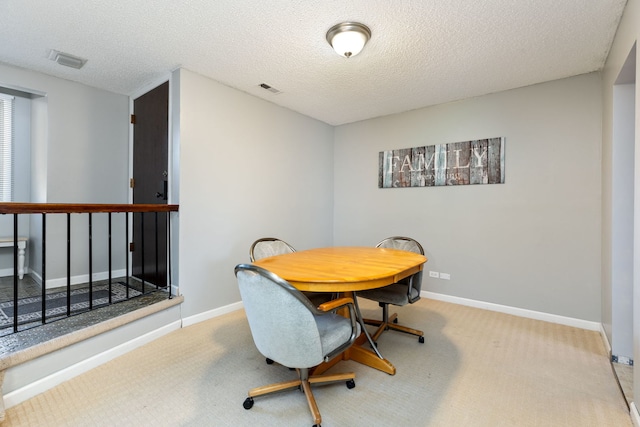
(172, 198)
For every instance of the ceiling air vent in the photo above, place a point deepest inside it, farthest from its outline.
(66, 59)
(269, 88)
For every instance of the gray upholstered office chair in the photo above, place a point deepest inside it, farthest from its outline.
(287, 328)
(271, 246)
(406, 291)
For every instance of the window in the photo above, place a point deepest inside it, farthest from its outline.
(6, 148)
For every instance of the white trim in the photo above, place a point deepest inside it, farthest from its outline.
(6, 272)
(635, 415)
(605, 340)
(75, 280)
(201, 317)
(27, 392)
(175, 290)
(530, 314)
(24, 90)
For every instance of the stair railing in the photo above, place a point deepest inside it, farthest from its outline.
(128, 210)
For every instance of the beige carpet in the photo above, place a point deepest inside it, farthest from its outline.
(477, 368)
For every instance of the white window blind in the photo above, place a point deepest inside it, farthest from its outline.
(6, 148)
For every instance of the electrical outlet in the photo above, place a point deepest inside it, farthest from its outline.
(445, 276)
(434, 274)
(623, 360)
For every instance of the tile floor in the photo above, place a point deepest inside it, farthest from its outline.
(29, 335)
(27, 287)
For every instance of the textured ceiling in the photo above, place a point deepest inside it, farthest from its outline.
(421, 53)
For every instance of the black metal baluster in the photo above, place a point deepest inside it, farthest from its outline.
(90, 261)
(109, 249)
(169, 251)
(15, 272)
(142, 248)
(68, 264)
(127, 250)
(44, 263)
(157, 251)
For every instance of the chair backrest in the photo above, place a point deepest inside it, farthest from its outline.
(402, 243)
(281, 318)
(269, 246)
(413, 282)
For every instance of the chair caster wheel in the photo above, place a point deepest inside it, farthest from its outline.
(421, 340)
(351, 384)
(248, 403)
(269, 361)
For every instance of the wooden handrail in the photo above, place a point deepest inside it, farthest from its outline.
(32, 208)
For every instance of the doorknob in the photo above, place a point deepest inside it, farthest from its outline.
(163, 195)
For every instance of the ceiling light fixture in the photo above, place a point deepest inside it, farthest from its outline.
(348, 38)
(66, 59)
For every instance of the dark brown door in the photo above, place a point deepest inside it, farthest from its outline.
(150, 184)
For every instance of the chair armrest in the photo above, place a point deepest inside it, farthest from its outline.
(335, 303)
(329, 307)
(415, 282)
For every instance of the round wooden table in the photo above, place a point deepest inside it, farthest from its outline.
(346, 269)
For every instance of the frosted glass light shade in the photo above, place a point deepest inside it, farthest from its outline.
(348, 38)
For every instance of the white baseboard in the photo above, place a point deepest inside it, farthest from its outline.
(6, 272)
(75, 280)
(175, 290)
(605, 340)
(192, 320)
(27, 392)
(17, 396)
(530, 314)
(635, 416)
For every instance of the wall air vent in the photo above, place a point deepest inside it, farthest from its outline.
(269, 88)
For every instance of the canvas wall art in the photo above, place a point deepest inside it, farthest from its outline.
(458, 163)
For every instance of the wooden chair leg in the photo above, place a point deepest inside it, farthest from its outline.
(406, 329)
(313, 407)
(331, 378)
(387, 323)
(273, 388)
(303, 382)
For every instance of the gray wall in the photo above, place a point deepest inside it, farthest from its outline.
(626, 37)
(622, 168)
(84, 154)
(80, 143)
(532, 242)
(249, 169)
